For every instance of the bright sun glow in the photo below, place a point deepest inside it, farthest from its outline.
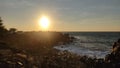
(44, 23)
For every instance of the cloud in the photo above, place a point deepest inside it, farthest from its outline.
(15, 3)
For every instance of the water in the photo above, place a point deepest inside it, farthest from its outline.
(92, 44)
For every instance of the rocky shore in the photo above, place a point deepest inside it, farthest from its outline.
(35, 50)
(20, 49)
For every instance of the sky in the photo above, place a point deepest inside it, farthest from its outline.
(64, 15)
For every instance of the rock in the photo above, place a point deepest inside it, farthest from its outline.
(113, 59)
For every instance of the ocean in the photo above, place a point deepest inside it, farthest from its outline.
(92, 44)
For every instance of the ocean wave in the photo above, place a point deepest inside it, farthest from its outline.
(91, 44)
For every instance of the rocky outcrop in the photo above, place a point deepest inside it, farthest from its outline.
(113, 59)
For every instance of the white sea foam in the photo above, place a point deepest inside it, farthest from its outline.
(97, 46)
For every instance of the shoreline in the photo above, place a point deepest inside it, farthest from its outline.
(40, 45)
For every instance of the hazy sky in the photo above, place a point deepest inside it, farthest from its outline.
(65, 15)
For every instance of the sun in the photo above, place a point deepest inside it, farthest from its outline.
(44, 23)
